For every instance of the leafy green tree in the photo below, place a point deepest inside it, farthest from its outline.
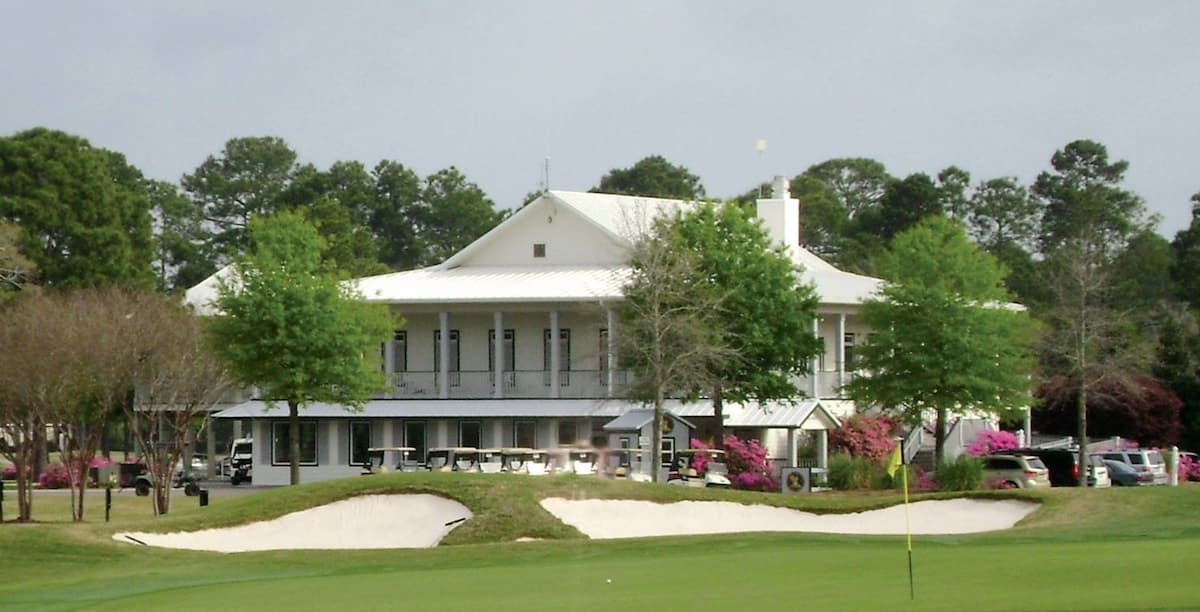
(84, 210)
(943, 337)
(1177, 365)
(953, 186)
(857, 182)
(1142, 274)
(397, 215)
(1186, 267)
(670, 335)
(456, 212)
(245, 180)
(15, 269)
(339, 202)
(182, 253)
(290, 328)
(1084, 190)
(1088, 220)
(655, 177)
(765, 314)
(905, 203)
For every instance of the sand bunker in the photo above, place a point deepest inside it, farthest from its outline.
(369, 521)
(605, 519)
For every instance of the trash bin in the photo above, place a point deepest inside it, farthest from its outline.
(203, 497)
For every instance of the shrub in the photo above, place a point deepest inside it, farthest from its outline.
(864, 435)
(962, 474)
(55, 476)
(848, 473)
(989, 441)
(1189, 469)
(9, 472)
(748, 466)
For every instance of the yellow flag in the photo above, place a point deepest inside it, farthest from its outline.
(895, 462)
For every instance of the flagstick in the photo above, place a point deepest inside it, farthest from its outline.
(907, 532)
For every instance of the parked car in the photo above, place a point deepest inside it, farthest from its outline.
(1062, 463)
(1098, 473)
(1123, 475)
(1149, 461)
(1018, 471)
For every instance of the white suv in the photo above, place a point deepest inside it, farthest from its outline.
(1145, 461)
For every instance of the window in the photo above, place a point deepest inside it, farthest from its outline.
(510, 350)
(668, 452)
(281, 449)
(564, 354)
(848, 343)
(400, 351)
(414, 436)
(360, 441)
(539, 249)
(566, 433)
(603, 353)
(524, 434)
(470, 434)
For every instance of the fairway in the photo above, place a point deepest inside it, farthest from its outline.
(1056, 560)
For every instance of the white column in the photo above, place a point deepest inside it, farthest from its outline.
(840, 343)
(812, 365)
(386, 439)
(444, 347)
(793, 448)
(498, 357)
(822, 448)
(611, 354)
(555, 364)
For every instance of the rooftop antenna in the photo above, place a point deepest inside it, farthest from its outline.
(546, 174)
(760, 145)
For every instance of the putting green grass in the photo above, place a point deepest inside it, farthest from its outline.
(1118, 549)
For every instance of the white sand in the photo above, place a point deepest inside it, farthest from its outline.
(605, 519)
(369, 521)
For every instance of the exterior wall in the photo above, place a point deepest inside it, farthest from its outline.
(333, 442)
(580, 370)
(569, 240)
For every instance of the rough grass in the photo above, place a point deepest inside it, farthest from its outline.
(1047, 562)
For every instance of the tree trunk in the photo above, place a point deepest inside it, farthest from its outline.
(656, 438)
(1081, 417)
(939, 436)
(719, 413)
(294, 441)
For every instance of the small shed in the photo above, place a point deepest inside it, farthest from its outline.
(804, 417)
(635, 428)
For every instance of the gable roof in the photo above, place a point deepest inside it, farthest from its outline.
(636, 419)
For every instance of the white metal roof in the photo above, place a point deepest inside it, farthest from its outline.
(496, 284)
(435, 409)
(202, 295)
(780, 414)
(627, 414)
(636, 419)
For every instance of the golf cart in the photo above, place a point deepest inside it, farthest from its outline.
(453, 459)
(185, 478)
(715, 472)
(524, 461)
(378, 459)
(489, 460)
(582, 460)
(627, 464)
(241, 460)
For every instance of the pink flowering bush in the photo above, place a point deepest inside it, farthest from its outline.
(1189, 469)
(865, 436)
(748, 465)
(9, 472)
(989, 441)
(55, 476)
(699, 460)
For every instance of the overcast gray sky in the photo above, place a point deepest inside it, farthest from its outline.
(496, 87)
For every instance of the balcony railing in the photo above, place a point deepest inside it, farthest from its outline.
(480, 384)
